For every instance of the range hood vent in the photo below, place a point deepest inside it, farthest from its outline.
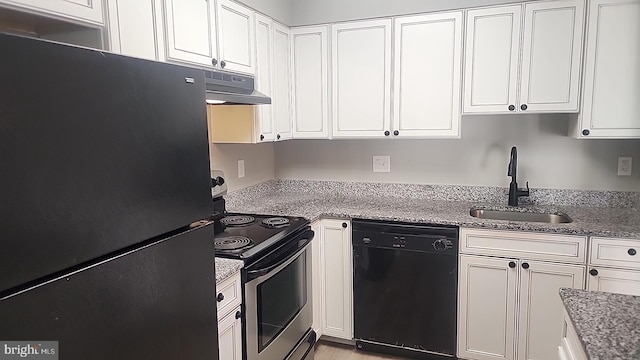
(228, 88)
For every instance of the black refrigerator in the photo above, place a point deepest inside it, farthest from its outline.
(104, 178)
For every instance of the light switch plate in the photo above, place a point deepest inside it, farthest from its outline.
(240, 168)
(382, 163)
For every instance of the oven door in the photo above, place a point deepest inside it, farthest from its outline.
(278, 300)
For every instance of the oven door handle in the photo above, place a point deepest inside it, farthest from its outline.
(256, 273)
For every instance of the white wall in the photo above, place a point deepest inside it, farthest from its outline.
(280, 10)
(258, 163)
(547, 157)
(307, 12)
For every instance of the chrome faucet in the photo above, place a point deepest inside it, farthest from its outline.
(514, 192)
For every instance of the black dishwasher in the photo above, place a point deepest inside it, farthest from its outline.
(405, 286)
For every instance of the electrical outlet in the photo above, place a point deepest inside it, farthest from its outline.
(624, 166)
(382, 163)
(240, 168)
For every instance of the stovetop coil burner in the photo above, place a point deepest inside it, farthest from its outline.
(237, 220)
(232, 242)
(275, 222)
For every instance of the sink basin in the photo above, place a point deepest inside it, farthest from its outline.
(521, 216)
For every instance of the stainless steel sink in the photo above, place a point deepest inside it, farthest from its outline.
(521, 216)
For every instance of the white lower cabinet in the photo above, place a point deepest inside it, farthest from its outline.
(316, 278)
(510, 308)
(336, 278)
(614, 266)
(230, 336)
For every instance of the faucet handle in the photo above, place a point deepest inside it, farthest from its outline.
(526, 192)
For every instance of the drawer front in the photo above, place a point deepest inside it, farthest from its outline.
(229, 295)
(619, 253)
(529, 245)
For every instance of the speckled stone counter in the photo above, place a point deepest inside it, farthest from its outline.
(608, 214)
(608, 325)
(227, 267)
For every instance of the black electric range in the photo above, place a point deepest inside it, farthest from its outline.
(245, 236)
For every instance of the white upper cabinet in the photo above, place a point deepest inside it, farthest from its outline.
(524, 62)
(191, 31)
(612, 71)
(427, 74)
(135, 28)
(361, 78)
(236, 37)
(491, 59)
(310, 93)
(83, 10)
(281, 99)
(551, 56)
(264, 83)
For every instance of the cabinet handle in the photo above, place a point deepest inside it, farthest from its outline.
(525, 265)
(223, 63)
(238, 314)
(261, 137)
(214, 62)
(512, 108)
(586, 132)
(632, 252)
(344, 225)
(220, 297)
(523, 107)
(278, 137)
(512, 264)
(396, 133)
(593, 272)
(387, 133)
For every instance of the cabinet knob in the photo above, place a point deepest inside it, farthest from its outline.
(214, 62)
(238, 314)
(387, 133)
(344, 225)
(220, 297)
(512, 108)
(523, 107)
(261, 137)
(632, 252)
(593, 272)
(586, 132)
(278, 137)
(525, 265)
(223, 63)
(512, 264)
(396, 133)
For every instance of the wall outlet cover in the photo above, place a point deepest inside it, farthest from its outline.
(240, 168)
(624, 166)
(382, 163)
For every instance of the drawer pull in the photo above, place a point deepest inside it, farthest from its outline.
(632, 252)
(512, 264)
(238, 314)
(593, 272)
(220, 297)
(525, 265)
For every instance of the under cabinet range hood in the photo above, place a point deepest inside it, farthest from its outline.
(228, 88)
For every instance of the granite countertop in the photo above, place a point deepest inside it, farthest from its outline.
(608, 325)
(619, 222)
(227, 267)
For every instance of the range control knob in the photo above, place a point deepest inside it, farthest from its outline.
(442, 245)
(217, 181)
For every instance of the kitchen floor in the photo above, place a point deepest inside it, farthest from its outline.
(331, 351)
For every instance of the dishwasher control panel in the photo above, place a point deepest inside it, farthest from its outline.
(413, 238)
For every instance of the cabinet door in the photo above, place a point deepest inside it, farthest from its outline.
(337, 279)
(612, 70)
(264, 84)
(84, 10)
(230, 336)
(487, 308)
(427, 74)
(281, 99)
(541, 310)
(135, 28)
(361, 78)
(491, 59)
(551, 56)
(614, 281)
(316, 269)
(309, 58)
(191, 31)
(236, 37)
